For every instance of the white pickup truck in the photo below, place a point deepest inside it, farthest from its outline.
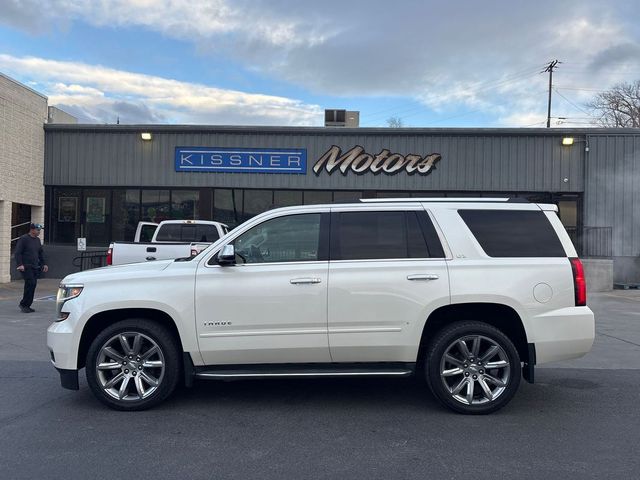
(169, 239)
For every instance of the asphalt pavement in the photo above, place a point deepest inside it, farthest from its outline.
(580, 419)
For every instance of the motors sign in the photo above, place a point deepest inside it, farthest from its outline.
(361, 162)
(241, 160)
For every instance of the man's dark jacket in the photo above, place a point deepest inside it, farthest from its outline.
(29, 252)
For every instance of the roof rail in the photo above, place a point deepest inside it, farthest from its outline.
(447, 199)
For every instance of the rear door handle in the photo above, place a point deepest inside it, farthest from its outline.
(300, 281)
(430, 276)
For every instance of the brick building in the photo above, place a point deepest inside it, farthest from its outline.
(23, 112)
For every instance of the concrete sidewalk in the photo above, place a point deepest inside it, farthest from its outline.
(13, 290)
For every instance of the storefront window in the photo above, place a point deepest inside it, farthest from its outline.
(155, 205)
(287, 198)
(227, 206)
(184, 204)
(126, 214)
(314, 197)
(66, 215)
(255, 202)
(97, 216)
(346, 197)
(393, 194)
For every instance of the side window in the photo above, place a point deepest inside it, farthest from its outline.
(377, 235)
(146, 233)
(513, 233)
(294, 238)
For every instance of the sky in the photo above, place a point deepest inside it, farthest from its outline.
(282, 62)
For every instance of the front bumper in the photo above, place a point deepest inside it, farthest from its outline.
(63, 346)
(69, 379)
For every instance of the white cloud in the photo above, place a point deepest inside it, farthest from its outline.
(447, 55)
(97, 91)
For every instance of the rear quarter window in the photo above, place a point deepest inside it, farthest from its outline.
(513, 233)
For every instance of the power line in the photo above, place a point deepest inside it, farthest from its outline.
(570, 102)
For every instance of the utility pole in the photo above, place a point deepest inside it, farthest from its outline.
(553, 64)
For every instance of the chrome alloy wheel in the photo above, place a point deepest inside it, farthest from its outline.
(475, 370)
(130, 366)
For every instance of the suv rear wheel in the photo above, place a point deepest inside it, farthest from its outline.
(133, 364)
(472, 368)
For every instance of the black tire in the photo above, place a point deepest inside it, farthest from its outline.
(460, 373)
(167, 375)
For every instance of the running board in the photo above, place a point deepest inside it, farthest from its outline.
(250, 372)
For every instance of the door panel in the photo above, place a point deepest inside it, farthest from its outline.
(255, 314)
(376, 313)
(271, 307)
(383, 283)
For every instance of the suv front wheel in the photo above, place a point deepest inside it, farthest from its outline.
(472, 368)
(133, 364)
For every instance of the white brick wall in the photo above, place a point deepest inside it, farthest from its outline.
(22, 116)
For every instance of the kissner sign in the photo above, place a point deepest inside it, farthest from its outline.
(245, 160)
(360, 162)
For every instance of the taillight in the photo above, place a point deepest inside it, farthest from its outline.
(579, 282)
(110, 256)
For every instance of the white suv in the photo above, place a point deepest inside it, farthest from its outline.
(468, 293)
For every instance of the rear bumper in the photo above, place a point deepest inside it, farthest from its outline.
(563, 334)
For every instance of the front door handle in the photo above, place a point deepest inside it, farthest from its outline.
(300, 281)
(430, 276)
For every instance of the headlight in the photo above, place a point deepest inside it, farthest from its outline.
(66, 292)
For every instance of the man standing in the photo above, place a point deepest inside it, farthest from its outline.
(30, 260)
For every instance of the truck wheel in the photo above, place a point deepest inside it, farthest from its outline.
(472, 368)
(133, 364)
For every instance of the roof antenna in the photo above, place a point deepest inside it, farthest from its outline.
(118, 120)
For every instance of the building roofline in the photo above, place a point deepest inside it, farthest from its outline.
(20, 84)
(160, 128)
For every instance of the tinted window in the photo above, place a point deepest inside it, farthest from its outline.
(510, 233)
(375, 235)
(294, 238)
(187, 233)
(146, 233)
(206, 233)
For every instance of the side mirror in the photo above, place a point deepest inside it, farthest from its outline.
(227, 256)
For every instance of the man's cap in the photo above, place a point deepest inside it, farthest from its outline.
(36, 226)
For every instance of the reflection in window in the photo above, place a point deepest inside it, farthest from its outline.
(227, 206)
(97, 216)
(66, 214)
(294, 238)
(256, 201)
(155, 205)
(184, 204)
(376, 235)
(184, 232)
(315, 197)
(126, 214)
(287, 198)
(346, 196)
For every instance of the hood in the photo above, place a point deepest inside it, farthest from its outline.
(118, 271)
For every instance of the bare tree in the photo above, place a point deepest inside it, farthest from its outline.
(618, 107)
(395, 122)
